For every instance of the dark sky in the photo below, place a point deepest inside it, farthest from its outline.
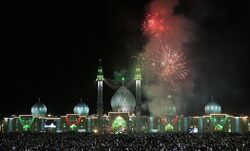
(50, 50)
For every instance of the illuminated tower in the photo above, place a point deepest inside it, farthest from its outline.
(138, 79)
(99, 80)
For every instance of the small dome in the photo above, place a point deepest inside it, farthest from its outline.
(39, 109)
(123, 100)
(212, 107)
(81, 108)
(170, 108)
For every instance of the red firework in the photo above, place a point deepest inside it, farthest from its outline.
(169, 65)
(154, 24)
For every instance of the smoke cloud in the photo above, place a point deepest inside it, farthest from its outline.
(163, 28)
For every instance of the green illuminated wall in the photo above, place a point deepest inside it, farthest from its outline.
(67, 123)
(118, 120)
(26, 124)
(118, 123)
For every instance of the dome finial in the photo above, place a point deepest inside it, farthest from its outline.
(39, 99)
(212, 99)
(81, 99)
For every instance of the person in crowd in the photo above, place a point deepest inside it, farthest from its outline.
(124, 142)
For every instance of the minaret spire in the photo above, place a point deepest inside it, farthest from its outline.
(100, 76)
(138, 110)
(100, 79)
(138, 79)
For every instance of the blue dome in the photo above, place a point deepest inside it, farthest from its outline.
(123, 100)
(39, 109)
(81, 108)
(212, 108)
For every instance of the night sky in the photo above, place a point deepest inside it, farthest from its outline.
(51, 49)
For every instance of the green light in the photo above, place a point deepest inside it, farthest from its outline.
(73, 127)
(26, 122)
(169, 128)
(218, 127)
(218, 123)
(26, 128)
(118, 123)
(100, 76)
(138, 74)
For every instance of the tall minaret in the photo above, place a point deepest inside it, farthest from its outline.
(138, 79)
(99, 80)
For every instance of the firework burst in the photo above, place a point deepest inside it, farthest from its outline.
(153, 24)
(168, 65)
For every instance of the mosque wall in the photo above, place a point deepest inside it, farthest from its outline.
(126, 123)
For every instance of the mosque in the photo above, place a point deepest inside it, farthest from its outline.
(125, 117)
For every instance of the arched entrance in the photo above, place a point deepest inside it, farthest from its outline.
(119, 125)
(169, 128)
(73, 127)
(26, 128)
(218, 128)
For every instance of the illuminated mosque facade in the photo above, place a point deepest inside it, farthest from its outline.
(125, 117)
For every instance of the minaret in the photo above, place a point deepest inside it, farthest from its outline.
(99, 80)
(138, 79)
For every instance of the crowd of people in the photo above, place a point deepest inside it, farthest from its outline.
(124, 142)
